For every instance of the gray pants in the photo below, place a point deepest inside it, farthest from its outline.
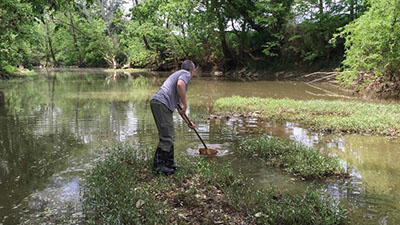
(165, 125)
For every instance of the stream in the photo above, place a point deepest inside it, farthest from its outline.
(56, 127)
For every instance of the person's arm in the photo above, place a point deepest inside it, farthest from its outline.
(181, 88)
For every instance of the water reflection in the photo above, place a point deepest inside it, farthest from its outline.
(370, 195)
(52, 129)
(50, 124)
(223, 150)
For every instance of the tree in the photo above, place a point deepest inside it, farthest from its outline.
(307, 41)
(216, 34)
(373, 44)
(19, 36)
(16, 27)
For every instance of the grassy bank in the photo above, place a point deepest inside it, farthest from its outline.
(321, 115)
(122, 189)
(13, 72)
(294, 157)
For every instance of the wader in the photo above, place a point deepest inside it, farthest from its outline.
(164, 156)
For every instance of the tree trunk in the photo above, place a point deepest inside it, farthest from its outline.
(352, 4)
(246, 17)
(106, 13)
(74, 37)
(229, 60)
(47, 49)
(146, 43)
(114, 62)
(321, 6)
(50, 43)
(183, 29)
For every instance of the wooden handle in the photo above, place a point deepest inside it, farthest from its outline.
(186, 119)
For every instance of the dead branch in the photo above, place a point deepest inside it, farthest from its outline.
(252, 56)
(323, 78)
(322, 73)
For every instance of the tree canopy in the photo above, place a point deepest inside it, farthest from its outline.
(373, 45)
(158, 33)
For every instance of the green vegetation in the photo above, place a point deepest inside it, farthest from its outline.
(158, 34)
(27, 72)
(15, 72)
(294, 157)
(374, 56)
(223, 35)
(321, 115)
(122, 189)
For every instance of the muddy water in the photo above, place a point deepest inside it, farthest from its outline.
(56, 127)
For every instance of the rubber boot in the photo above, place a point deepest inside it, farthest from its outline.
(156, 158)
(170, 160)
(159, 163)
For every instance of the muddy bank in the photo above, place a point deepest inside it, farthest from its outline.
(382, 87)
(298, 75)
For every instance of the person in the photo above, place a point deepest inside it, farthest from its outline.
(162, 104)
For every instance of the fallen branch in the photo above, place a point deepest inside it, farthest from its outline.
(322, 73)
(322, 78)
(252, 56)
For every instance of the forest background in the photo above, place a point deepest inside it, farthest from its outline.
(360, 38)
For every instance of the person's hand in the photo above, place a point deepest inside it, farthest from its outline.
(192, 125)
(183, 107)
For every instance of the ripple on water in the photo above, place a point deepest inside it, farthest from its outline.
(99, 113)
(221, 148)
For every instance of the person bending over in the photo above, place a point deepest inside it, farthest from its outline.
(163, 104)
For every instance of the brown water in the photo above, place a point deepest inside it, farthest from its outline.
(56, 127)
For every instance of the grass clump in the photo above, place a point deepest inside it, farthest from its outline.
(122, 189)
(321, 115)
(7, 71)
(293, 156)
(26, 72)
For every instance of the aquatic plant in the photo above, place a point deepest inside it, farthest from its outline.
(122, 189)
(328, 116)
(293, 156)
